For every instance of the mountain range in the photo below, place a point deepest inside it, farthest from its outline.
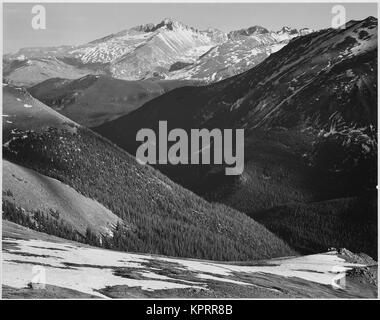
(167, 50)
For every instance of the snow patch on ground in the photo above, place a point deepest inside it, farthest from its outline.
(79, 268)
(88, 269)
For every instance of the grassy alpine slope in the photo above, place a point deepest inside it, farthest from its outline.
(35, 192)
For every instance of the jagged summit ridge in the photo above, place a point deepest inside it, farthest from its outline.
(257, 30)
(254, 30)
(167, 23)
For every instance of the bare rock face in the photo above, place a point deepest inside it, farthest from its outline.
(360, 258)
(364, 275)
(244, 49)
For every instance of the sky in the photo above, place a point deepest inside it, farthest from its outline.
(78, 23)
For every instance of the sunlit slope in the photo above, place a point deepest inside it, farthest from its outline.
(35, 192)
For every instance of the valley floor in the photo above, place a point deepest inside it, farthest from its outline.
(74, 270)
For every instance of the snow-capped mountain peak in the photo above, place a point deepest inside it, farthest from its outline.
(286, 29)
(166, 23)
(150, 50)
(254, 30)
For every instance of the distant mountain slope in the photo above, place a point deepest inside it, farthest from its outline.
(22, 112)
(93, 99)
(32, 191)
(167, 50)
(27, 72)
(158, 215)
(243, 50)
(169, 42)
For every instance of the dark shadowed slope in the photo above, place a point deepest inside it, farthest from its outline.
(310, 227)
(94, 99)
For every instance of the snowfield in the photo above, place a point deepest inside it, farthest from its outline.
(89, 270)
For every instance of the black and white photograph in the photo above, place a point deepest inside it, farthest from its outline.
(189, 150)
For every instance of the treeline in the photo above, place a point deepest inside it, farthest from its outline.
(39, 221)
(122, 238)
(51, 224)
